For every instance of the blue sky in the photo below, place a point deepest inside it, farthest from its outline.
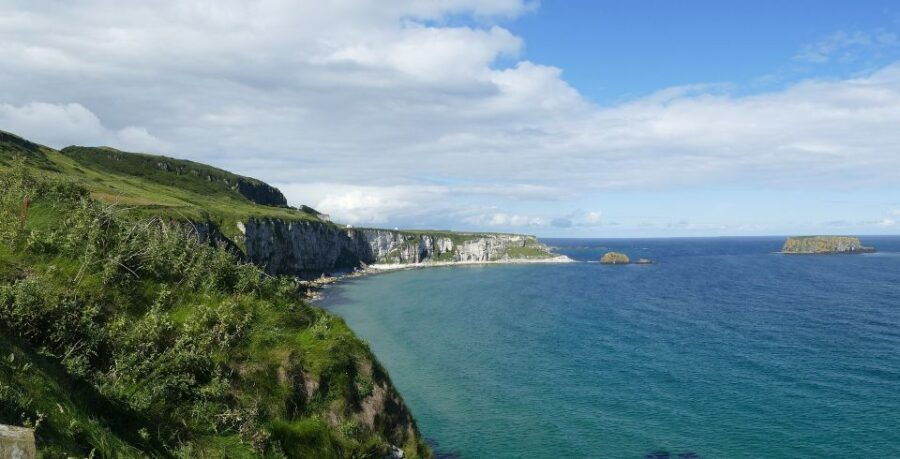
(556, 118)
(613, 51)
(616, 51)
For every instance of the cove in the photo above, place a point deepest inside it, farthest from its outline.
(721, 349)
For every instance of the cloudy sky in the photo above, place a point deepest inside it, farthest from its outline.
(556, 118)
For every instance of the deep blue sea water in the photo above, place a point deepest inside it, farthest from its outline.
(721, 350)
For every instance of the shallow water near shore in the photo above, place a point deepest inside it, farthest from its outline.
(721, 349)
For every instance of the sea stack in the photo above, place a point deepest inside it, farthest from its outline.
(614, 258)
(824, 245)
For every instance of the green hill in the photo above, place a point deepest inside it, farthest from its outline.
(122, 335)
(151, 185)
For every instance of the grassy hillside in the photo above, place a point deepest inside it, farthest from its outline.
(123, 336)
(150, 185)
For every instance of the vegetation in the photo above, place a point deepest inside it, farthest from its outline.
(824, 244)
(614, 258)
(528, 252)
(121, 335)
(148, 186)
(156, 186)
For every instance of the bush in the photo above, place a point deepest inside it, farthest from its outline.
(177, 344)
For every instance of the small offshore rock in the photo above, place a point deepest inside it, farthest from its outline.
(614, 258)
(644, 261)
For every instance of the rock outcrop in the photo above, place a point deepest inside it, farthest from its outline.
(614, 258)
(17, 443)
(259, 192)
(824, 245)
(305, 248)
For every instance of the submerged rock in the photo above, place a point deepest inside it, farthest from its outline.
(824, 245)
(614, 258)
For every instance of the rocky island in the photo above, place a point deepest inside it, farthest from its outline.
(614, 258)
(824, 245)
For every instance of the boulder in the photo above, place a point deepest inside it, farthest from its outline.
(17, 443)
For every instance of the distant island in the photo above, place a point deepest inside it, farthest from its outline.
(618, 258)
(614, 258)
(824, 245)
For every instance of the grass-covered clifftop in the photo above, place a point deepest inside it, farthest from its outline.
(179, 190)
(150, 185)
(121, 335)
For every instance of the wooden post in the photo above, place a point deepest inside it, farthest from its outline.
(16, 443)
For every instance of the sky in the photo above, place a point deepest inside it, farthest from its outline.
(565, 118)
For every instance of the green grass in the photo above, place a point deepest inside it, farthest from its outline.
(149, 186)
(126, 337)
(527, 252)
(183, 190)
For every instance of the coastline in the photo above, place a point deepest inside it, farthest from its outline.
(381, 267)
(314, 287)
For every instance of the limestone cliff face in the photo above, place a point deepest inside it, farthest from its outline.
(305, 248)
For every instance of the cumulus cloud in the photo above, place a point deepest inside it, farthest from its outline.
(506, 220)
(60, 125)
(358, 204)
(355, 106)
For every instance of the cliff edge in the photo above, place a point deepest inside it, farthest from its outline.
(310, 248)
(124, 334)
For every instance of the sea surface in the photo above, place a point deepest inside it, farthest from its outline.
(720, 350)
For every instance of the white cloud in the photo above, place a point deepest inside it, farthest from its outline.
(64, 124)
(59, 123)
(593, 218)
(845, 46)
(364, 204)
(506, 220)
(379, 111)
(132, 138)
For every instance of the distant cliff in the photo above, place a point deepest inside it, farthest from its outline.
(308, 247)
(824, 245)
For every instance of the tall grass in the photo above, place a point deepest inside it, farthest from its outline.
(172, 346)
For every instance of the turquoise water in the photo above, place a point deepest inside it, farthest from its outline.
(721, 350)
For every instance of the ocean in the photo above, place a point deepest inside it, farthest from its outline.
(722, 349)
